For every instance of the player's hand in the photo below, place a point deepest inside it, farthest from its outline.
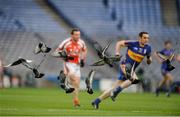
(178, 57)
(63, 55)
(160, 61)
(148, 61)
(82, 63)
(118, 57)
(168, 61)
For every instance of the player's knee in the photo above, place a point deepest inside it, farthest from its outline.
(77, 82)
(167, 77)
(76, 85)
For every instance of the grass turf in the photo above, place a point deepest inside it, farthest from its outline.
(46, 102)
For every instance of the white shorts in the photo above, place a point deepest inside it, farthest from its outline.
(73, 68)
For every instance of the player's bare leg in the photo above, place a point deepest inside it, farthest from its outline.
(107, 93)
(75, 82)
(168, 83)
(162, 82)
(122, 86)
(169, 80)
(114, 90)
(126, 83)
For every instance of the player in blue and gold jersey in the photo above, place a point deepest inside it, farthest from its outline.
(165, 57)
(136, 52)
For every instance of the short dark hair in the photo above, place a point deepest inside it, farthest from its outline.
(167, 42)
(74, 30)
(141, 33)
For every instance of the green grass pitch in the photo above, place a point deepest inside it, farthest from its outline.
(46, 102)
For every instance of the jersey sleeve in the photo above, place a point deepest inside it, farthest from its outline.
(61, 45)
(129, 43)
(149, 51)
(83, 46)
(161, 51)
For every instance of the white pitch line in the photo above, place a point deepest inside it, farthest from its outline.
(9, 109)
(74, 110)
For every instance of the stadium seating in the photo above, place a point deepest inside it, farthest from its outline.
(30, 14)
(135, 15)
(139, 12)
(90, 16)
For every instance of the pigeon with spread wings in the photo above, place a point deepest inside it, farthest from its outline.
(104, 57)
(27, 64)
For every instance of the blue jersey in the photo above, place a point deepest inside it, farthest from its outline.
(135, 53)
(167, 53)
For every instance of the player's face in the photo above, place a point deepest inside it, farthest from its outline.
(76, 35)
(168, 46)
(144, 39)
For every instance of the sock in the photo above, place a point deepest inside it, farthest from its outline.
(97, 101)
(76, 101)
(118, 90)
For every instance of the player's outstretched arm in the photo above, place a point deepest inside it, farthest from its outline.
(157, 57)
(119, 45)
(55, 53)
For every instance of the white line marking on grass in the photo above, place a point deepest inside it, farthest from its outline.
(75, 110)
(9, 109)
(140, 111)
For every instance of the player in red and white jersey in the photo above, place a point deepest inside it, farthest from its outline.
(76, 49)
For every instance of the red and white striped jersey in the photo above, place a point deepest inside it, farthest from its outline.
(73, 49)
